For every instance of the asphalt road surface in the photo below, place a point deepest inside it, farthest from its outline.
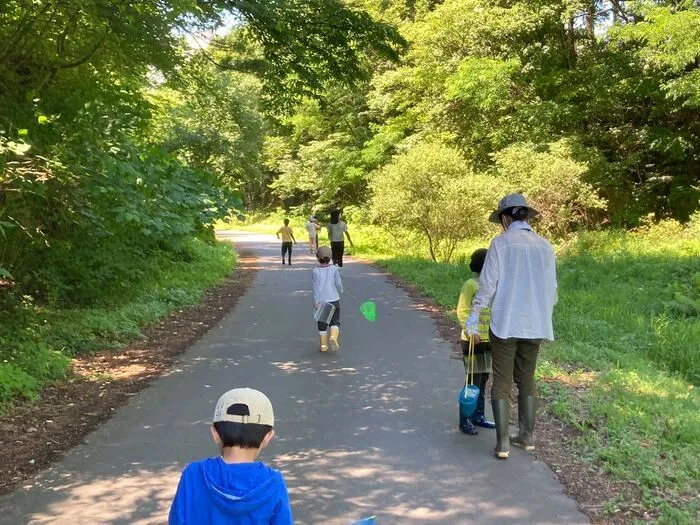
(369, 430)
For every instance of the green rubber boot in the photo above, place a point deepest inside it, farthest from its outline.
(527, 410)
(501, 415)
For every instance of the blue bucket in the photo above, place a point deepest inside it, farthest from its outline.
(468, 397)
(365, 521)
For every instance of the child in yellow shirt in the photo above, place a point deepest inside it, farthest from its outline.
(287, 239)
(482, 351)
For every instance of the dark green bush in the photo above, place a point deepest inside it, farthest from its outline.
(37, 340)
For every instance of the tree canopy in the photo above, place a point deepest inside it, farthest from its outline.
(116, 135)
(616, 81)
(116, 130)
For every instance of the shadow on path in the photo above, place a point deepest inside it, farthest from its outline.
(370, 430)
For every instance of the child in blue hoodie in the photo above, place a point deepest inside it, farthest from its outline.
(234, 488)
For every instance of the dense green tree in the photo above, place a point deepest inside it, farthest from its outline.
(553, 179)
(95, 159)
(579, 103)
(211, 120)
(430, 190)
(322, 162)
(484, 75)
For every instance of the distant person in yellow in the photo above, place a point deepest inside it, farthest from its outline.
(482, 351)
(287, 239)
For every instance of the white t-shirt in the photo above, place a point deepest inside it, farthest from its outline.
(335, 231)
(327, 284)
(311, 227)
(519, 282)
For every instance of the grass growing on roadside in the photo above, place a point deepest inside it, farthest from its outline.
(621, 315)
(37, 341)
(628, 336)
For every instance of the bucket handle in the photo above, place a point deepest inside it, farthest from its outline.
(470, 365)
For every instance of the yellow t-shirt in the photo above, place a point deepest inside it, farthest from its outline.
(464, 307)
(286, 233)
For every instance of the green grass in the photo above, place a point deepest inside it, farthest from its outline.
(626, 362)
(37, 341)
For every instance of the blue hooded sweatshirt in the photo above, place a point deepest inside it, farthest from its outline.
(212, 492)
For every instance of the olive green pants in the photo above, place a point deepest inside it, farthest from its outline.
(513, 360)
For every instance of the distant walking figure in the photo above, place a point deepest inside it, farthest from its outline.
(287, 239)
(312, 228)
(519, 283)
(336, 230)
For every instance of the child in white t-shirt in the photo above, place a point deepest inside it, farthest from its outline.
(327, 287)
(312, 228)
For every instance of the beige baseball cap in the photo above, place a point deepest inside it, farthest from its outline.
(244, 405)
(323, 251)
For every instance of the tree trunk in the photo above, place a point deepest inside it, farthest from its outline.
(590, 22)
(431, 244)
(619, 12)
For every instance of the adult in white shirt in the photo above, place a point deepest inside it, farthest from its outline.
(337, 231)
(519, 283)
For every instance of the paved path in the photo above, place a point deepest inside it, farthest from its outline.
(372, 429)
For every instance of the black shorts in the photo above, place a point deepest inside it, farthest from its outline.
(335, 320)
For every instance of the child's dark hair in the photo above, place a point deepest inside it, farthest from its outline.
(477, 261)
(286, 222)
(323, 260)
(335, 216)
(243, 435)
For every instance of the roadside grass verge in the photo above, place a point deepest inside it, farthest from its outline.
(624, 369)
(37, 340)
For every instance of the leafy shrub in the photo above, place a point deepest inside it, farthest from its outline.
(553, 180)
(36, 342)
(16, 382)
(431, 190)
(693, 227)
(26, 361)
(101, 229)
(356, 214)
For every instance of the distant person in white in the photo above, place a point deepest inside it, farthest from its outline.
(519, 283)
(312, 228)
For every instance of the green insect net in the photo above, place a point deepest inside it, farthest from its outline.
(369, 310)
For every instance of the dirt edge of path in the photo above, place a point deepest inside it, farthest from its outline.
(34, 435)
(585, 482)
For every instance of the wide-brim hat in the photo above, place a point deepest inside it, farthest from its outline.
(512, 200)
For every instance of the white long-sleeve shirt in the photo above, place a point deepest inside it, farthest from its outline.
(327, 284)
(519, 282)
